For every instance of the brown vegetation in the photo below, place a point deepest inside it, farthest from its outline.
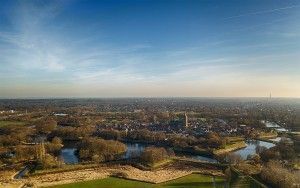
(274, 173)
(152, 155)
(97, 149)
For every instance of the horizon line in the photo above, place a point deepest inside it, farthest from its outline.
(151, 97)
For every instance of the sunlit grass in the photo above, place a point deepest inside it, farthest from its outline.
(10, 123)
(193, 181)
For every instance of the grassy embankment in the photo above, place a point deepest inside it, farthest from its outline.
(9, 123)
(74, 167)
(230, 147)
(150, 166)
(232, 139)
(65, 168)
(161, 163)
(268, 135)
(193, 180)
(238, 179)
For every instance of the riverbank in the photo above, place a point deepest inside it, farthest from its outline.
(231, 147)
(269, 140)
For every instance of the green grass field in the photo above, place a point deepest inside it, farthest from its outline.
(9, 123)
(190, 181)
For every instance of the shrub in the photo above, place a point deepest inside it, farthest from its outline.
(153, 155)
(274, 173)
(99, 149)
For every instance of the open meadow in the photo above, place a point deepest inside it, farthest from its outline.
(192, 181)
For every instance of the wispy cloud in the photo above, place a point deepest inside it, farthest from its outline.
(263, 12)
(39, 50)
(31, 45)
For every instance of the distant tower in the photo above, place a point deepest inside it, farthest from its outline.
(270, 97)
(186, 120)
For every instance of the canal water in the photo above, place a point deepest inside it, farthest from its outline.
(22, 172)
(68, 153)
(203, 158)
(274, 126)
(250, 149)
(134, 150)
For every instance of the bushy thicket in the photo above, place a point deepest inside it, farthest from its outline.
(98, 149)
(274, 173)
(212, 140)
(152, 155)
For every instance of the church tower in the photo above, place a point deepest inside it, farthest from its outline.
(186, 120)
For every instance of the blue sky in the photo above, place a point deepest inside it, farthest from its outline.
(149, 48)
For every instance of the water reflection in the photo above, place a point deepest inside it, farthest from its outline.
(277, 139)
(134, 150)
(282, 130)
(251, 146)
(69, 156)
(270, 124)
(202, 158)
(275, 126)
